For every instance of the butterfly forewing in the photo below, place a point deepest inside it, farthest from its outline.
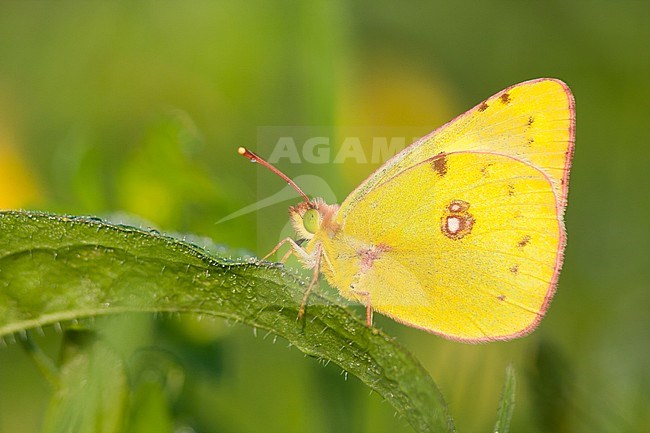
(532, 121)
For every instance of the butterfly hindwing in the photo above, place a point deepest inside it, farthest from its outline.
(465, 244)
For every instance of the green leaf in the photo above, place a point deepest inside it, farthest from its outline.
(57, 268)
(507, 402)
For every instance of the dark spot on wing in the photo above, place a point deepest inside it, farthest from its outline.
(439, 164)
(511, 190)
(524, 241)
(514, 269)
(484, 106)
(501, 297)
(505, 98)
(484, 170)
(531, 120)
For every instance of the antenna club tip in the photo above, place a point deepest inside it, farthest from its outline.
(242, 151)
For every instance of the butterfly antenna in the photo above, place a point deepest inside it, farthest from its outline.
(253, 157)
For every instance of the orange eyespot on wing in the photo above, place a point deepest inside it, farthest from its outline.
(456, 221)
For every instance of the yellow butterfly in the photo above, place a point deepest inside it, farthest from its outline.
(461, 234)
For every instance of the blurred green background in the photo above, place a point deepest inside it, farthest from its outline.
(138, 108)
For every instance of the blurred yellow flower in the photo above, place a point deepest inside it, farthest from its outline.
(17, 186)
(385, 103)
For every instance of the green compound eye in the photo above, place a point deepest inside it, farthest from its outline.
(311, 220)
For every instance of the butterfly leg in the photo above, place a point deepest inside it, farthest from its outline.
(312, 260)
(369, 315)
(366, 296)
(286, 255)
(312, 283)
(295, 249)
